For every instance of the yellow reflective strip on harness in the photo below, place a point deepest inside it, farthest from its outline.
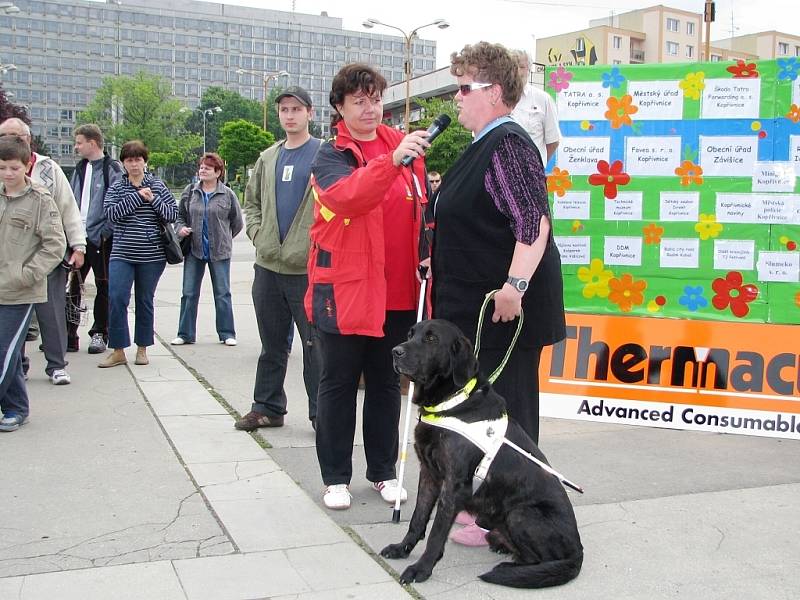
(454, 400)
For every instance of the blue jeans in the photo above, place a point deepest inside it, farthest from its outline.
(122, 275)
(14, 320)
(193, 271)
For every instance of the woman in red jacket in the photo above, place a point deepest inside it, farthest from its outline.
(362, 278)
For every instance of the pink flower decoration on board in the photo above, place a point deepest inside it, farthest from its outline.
(559, 79)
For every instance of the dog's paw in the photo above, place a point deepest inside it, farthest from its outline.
(415, 573)
(396, 551)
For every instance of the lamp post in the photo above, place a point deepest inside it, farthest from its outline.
(6, 68)
(207, 113)
(8, 8)
(408, 37)
(267, 77)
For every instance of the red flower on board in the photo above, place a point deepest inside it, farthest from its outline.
(743, 70)
(732, 292)
(609, 176)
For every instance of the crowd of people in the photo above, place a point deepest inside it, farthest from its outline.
(339, 254)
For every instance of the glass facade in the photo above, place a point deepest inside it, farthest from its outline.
(64, 49)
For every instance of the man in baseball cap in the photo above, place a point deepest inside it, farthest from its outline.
(296, 92)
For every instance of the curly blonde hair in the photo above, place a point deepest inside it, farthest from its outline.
(490, 63)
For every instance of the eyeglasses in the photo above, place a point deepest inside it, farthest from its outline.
(469, 87)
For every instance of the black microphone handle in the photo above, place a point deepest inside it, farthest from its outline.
(434, 130)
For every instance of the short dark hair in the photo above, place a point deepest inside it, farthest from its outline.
(91, 132)
(434, 173)
(134, 149)
(213, 160)
(13, 147)
(351, 79)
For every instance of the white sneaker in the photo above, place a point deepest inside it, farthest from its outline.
(337, 497)
(389, 490)
(60, 377)
(178, 341)
(230, 342)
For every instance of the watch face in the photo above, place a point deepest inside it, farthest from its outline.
(522, 285)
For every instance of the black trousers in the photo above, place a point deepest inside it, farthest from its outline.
(518, 384)
(97, 258)
(344, 358)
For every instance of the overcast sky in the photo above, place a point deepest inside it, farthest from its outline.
(518, 22)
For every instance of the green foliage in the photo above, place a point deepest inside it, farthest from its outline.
(141, 107)
(451, 143)
(165, 159)
(233, 106)
(241, 142)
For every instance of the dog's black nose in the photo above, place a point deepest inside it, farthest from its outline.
(398, 352)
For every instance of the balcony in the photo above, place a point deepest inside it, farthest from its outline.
(637, 56)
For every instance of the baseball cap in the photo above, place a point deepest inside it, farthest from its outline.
(295, 92)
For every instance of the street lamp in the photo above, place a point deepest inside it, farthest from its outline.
(6, 68)
(8, 8)
(207, 113)
(409, 37)
(267, 77)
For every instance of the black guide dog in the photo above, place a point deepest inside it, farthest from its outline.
(525, 509)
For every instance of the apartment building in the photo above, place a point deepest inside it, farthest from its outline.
(764, 45)
(62, 50)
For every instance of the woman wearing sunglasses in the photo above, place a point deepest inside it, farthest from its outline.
(493, 232)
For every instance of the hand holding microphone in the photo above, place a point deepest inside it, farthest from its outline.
(414, 144)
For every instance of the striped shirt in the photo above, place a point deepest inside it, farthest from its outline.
(137, 232)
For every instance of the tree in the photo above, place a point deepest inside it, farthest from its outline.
(8, 109)
(241, 142)
(234, 107)
(141, 107)
(451, 142)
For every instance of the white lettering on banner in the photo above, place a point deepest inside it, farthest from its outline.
(734, 255)
(657, 100)
(627, 206)
(584, 100)
(774, 177)
(727, 98)
(731, 156)
(654, 155)
(671, 416)
(580, 155)
(779, 266)
(573, 205)
(679, 206)
(679, 253)
(625, 251)
(735, 208)
(574, 250)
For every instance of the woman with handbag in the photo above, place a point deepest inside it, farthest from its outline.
(140, 205)
(209, 217)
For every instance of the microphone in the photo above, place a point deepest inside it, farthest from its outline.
(439, 124)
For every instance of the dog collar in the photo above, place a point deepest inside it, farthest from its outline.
(455, 399)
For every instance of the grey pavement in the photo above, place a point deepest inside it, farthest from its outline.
(132, 483)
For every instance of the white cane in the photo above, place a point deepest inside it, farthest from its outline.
(407, 426)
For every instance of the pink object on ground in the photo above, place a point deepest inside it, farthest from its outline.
(471, 535)
(465, 518)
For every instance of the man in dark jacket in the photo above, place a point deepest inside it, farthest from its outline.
(94, 174)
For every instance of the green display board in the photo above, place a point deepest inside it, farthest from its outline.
(674, 191)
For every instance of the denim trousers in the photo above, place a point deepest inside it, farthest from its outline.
(193, 271)
(344, 359)
(14, 321)
(278, 299)
(143, 277)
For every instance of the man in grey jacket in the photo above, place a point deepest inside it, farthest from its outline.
(279, 208)
(50, 314)
(101, 172)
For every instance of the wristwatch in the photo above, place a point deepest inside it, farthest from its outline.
(521, 285)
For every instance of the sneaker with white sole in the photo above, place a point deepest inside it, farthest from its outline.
(60, 377)
(98, 344)
(337, 497)
(389, 490)
(178, 341)
(230, 342)
(11, 422)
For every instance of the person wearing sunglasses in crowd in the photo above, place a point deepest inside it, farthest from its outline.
(493, 232)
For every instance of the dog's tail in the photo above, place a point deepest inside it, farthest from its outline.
(541, 575)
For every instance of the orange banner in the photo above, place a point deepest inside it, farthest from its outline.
(610, 365)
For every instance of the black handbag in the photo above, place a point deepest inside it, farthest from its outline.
(172, 245)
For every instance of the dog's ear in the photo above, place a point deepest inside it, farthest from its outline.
(463, 364)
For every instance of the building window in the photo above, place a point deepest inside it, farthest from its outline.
(673, 25)
(579, 47)
(783, 48)
(689, 28)
(689, 51)
(797, 50)
(616, 62)
(617, 42)
(672, 48)
(716, 58)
